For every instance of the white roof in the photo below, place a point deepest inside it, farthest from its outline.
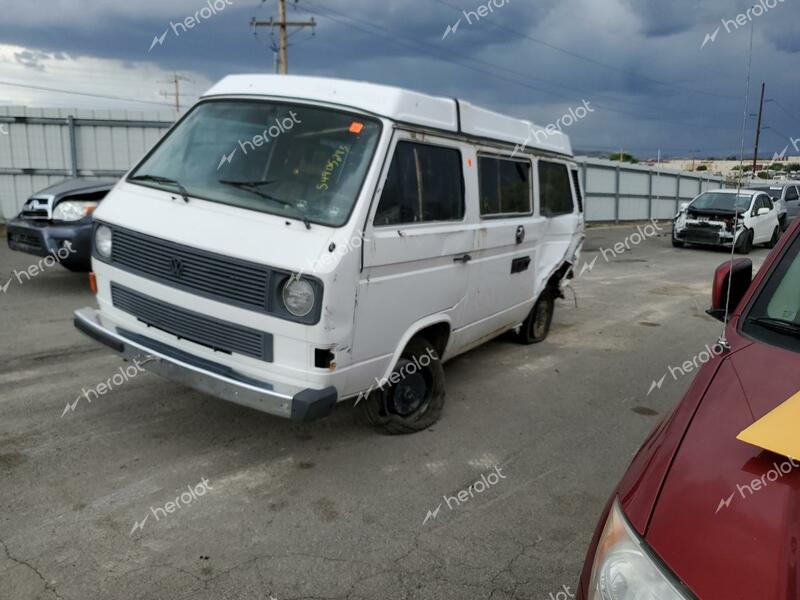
(398, 104)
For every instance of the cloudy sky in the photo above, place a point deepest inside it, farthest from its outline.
(640, 64)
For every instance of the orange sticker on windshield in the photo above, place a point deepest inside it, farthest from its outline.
(356, 127)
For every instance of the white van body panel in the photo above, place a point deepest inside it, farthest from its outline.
(382, 284)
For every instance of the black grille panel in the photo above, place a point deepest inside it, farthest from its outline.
(702, 235)
(218, 277)
(213, 333)
(34, 242)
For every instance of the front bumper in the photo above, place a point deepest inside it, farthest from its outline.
(205, 376)
(709, 236)
(43, 238)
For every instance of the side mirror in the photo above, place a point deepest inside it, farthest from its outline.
(740, 275)
(762, 211)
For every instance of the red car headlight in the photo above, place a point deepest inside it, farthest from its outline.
(625, 569)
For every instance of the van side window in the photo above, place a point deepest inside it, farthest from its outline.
(425, 183)
(556, 194)
(578, 195)
(505, 186)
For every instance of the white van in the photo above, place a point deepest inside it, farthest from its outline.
(297, 241)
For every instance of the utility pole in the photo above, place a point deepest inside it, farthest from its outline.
(758, 130)
(175, 80)
(283, 25)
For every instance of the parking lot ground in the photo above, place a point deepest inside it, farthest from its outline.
(332, 510)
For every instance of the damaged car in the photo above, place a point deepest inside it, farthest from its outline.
(726, 218)
(59, 217)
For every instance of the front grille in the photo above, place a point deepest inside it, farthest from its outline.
(34, 242)
(200, 329)
(214, 276)
(702, 235)
(36, 208)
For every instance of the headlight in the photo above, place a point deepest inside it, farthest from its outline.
(102, 241)
(623, 568)
(298, 296)
(73, 210)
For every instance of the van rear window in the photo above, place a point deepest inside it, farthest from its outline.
(425, 183)
(505, 186)
(556, 194)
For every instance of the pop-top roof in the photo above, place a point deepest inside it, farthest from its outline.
(398, 104)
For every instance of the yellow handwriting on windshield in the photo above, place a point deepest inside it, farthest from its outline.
(333, 163)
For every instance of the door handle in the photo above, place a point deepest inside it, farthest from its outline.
(520, 236)
(462, 259)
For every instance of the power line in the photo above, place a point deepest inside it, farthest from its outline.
(87, 94)
(592, 60)
(282, 24)
(397, 38)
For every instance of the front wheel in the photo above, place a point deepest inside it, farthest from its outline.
(746, 242)
(413, 398)
(537, 324)
(677, 243)
(774, 239)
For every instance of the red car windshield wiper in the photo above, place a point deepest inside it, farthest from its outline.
(779, 325)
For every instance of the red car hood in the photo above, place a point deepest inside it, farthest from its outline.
(727, 521)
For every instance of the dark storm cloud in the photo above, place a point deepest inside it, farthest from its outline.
(639, 62)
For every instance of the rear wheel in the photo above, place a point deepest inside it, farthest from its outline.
(746, 243)
(537, 324)
(413, 401)
(774, 239)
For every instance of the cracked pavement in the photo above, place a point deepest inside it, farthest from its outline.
(332, 510)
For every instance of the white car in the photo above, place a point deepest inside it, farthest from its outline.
(295, 241)
(711, 220)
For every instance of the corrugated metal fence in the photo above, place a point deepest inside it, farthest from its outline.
(625, 192)
(39, 147)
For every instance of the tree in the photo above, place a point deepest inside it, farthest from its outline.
(776, 167)
(625, 157)
(763, 175)
(788, 167)
(701, 168)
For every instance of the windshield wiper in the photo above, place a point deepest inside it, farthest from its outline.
(162, 179)
(253, 187)
(779, 325)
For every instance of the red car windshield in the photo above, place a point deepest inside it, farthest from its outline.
(774, 317)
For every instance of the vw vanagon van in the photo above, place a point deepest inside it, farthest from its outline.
(293, 242)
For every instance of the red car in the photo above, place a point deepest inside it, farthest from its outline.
(700, 514)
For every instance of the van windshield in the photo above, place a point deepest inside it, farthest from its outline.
(293, 160)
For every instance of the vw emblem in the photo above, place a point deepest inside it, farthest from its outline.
(176, 267)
